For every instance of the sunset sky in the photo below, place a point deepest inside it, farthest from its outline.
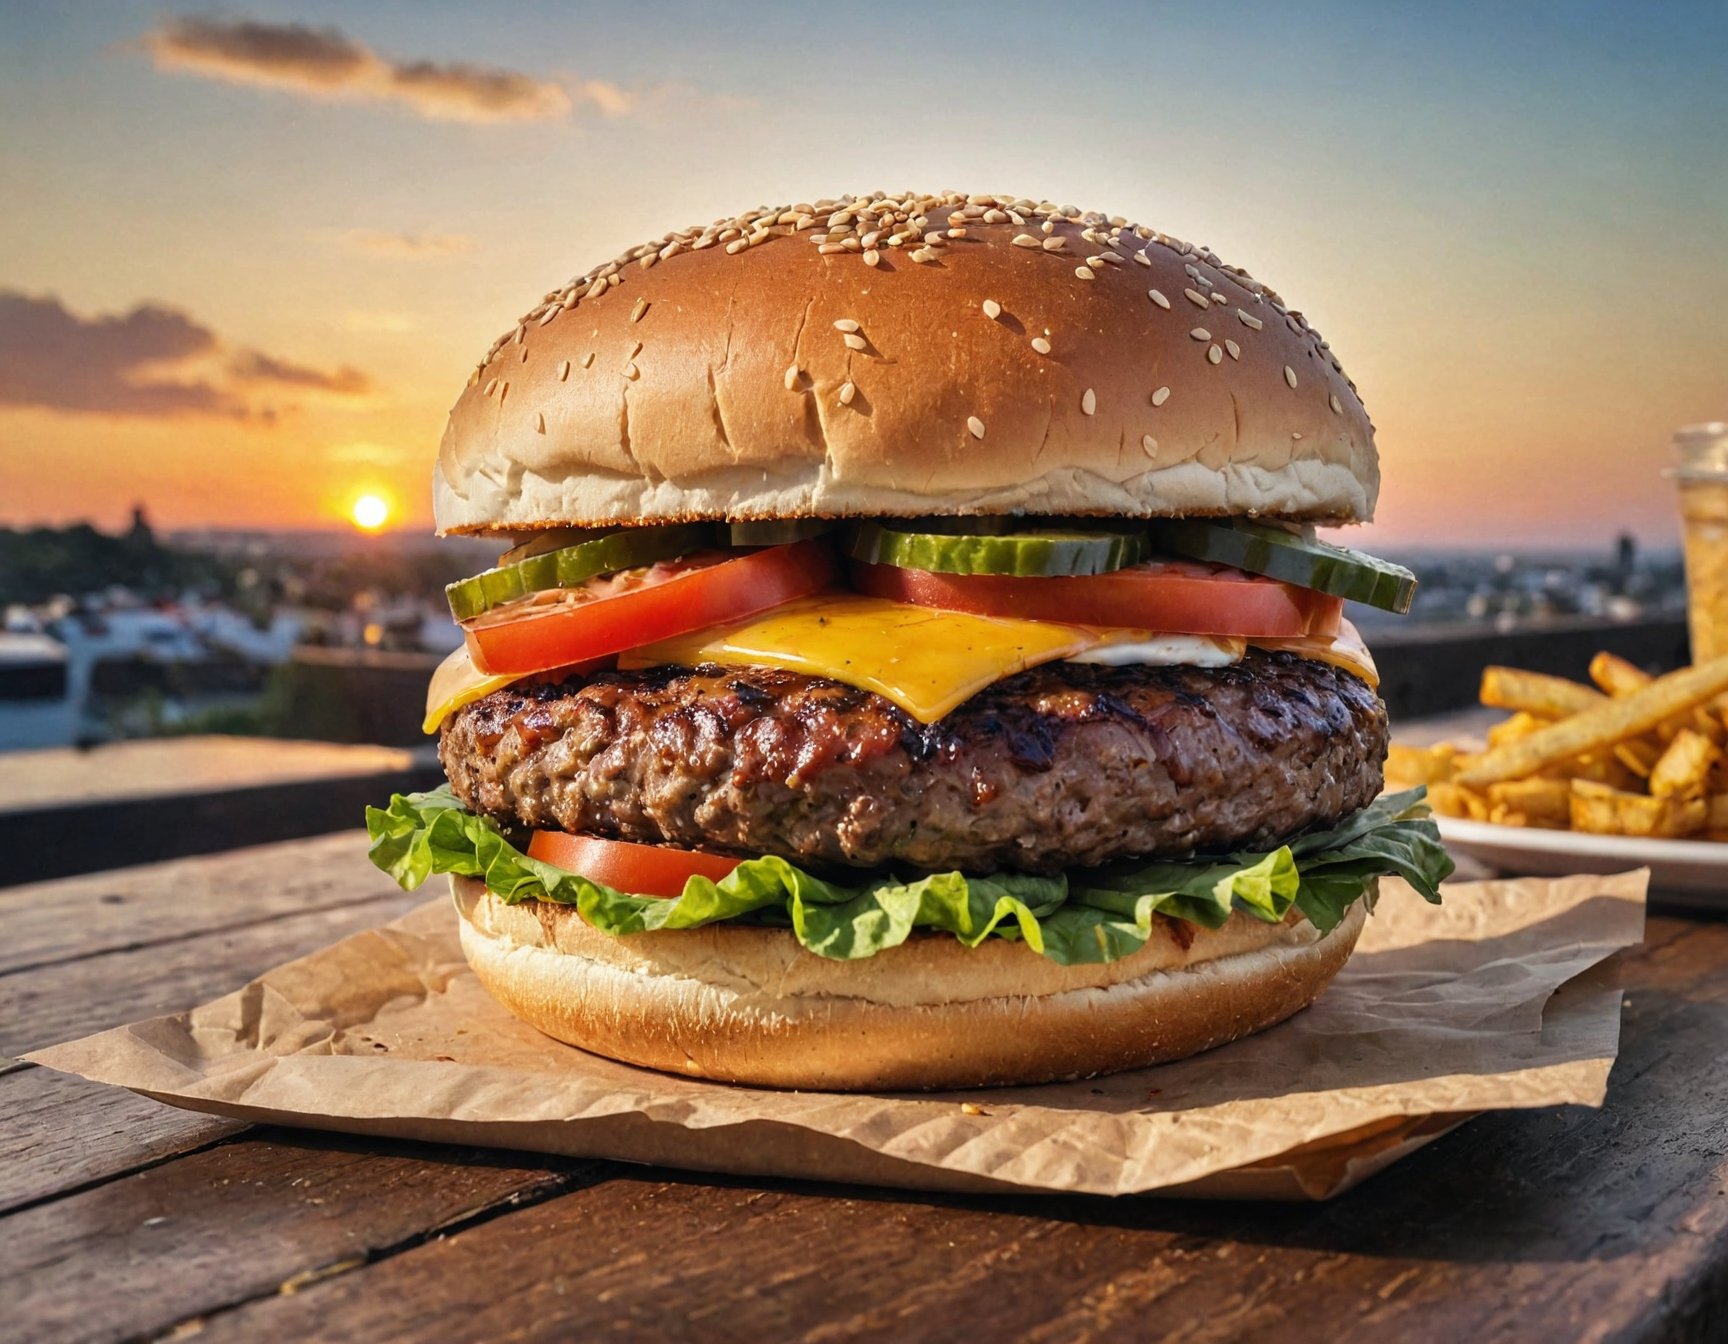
(248, 255)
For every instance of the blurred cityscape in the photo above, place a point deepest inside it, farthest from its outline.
(110, 636)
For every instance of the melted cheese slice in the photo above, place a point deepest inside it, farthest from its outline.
(458, 682)
(925, 661)
(1344, 649)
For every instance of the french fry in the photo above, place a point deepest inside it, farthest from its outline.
(1638, 755)
(1543, 802)
(1601, 726)
(1521, 724)
(1600, 810)
(1684, 766)
(1407, 766)
(1449, 800)
(1536, 693)
(1616, 676)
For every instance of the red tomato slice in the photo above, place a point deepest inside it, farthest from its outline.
(641, 870)
(1180, 596)
(641, 606)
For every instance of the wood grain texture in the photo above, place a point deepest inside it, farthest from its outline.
(264, 1214)
(1564, 1224)
(58, 1133)
(179, 933)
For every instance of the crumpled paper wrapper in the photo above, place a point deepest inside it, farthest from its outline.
(1495, 999)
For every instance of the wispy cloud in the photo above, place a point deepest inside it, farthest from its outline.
(254, 366)
(407, 246)
(327, 63)
(153, 362)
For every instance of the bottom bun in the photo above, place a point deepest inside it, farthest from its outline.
(744, 1004)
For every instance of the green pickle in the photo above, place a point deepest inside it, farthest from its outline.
(1293, 558)
(569, 566)
(1025, 551)
(777, 531)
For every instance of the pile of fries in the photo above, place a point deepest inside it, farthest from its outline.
(1633, 755)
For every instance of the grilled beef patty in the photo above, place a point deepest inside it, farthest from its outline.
(1068, 765)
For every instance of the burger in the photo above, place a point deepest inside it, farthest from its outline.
(910, 663)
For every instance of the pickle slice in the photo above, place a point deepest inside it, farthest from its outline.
(572, 565)
(1027, 552)
(778, 531)
(1296, 559)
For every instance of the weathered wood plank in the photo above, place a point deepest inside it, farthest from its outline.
(58, 1133)
(264, 1214)
(75, 917)
(1561, 1224)
(59, 1002)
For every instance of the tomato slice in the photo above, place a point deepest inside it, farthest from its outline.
(641, 606)
(641, 870)
(1178, 596)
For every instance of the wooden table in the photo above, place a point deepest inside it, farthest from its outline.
(123, 1219)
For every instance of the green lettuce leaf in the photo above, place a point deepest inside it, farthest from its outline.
(1095, 915)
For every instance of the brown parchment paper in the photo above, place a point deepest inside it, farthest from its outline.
(1497, 998)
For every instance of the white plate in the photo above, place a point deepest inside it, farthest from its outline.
(1695, 866)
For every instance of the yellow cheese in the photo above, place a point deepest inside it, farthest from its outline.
(925, 661)
(1345, 650)
(458, 682)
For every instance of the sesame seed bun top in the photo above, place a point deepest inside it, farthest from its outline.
(902, 356)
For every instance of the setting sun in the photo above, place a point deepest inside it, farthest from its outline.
(370, 512)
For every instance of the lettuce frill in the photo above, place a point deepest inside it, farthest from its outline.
(1095, 915)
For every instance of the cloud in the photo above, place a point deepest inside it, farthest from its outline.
(153, 361)
(408, 246)
(253, 366)
(327, 63)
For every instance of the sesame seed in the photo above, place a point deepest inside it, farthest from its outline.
(1048, 226)
(855, 342)
(1041, 345)
(847, 392)
(1096, 263)
(1249, 320)
(1158, 299)
(1161, 396)
(1085, 272)
(1294, 435)
(1337, 406)
(539, 422)
(736, 246)
(975, 426)
(503, 391)
(1201, 334)
(992, 309)
(563, 370)
(793, 376)
(1197, 298)
(1089, 401)
(551, 313)
(631, 371)
(829, 249)
(871, 257)
(1290, 375)
(1214, 355)
(640, 308)
(524, 354)
(588, 360)
(1105, 258)
(957, 233)
(521, 331)
(923, 254)
(1149, 443)
(1054, 244)
(1234, 349)
(1142, 258)
(1220, 300)
(491, 387)
(845, 324)
(1025, 240)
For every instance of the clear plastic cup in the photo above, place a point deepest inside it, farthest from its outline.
(1703, 480)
